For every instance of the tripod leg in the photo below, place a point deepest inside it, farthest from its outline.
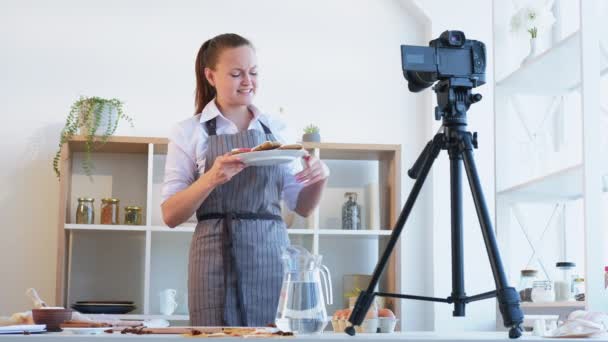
(458, 295)
(366, 297)
(508, 298)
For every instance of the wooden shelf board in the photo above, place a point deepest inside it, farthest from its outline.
(566, 184)
(107, 227)
(555, 305)
(300, 231)
(336, 151)
(184, 228)
(366, 232)
(339, 151)
(554, 72)
(117, 144)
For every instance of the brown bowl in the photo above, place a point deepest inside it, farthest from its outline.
(51, 317)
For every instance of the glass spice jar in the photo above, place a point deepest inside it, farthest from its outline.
(542, 291)
(351, 212)
(563, 285)
(109, 211)
(85, 214)
(578, 285)
(526, 280)
(133, 215)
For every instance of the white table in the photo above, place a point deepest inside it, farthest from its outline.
(401, 336)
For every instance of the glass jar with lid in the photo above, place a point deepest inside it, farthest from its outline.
(133, 215)
(563, 283)
(109, 211)
(542, 291)
(526, 280)
(85, 214)
(351, 212)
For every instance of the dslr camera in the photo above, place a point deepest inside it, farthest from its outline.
(449, 57)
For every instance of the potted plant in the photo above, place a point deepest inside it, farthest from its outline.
(311, 134)
(532, 19)
(90, 117)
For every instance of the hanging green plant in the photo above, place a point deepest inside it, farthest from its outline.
(90, 117)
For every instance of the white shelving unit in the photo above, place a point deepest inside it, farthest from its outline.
(558, 68)
(571, 68)
(126, 262)
(564, 185)
(549, 305)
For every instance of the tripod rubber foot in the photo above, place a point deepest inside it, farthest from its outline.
(350, 330)
(515, 332)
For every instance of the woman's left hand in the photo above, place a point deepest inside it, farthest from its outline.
(315, 171)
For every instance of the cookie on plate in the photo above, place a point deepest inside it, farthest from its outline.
(290, 147)
(267, 145)
(235, 151)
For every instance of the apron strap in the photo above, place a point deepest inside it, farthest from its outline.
(212, 127)
(265, 128)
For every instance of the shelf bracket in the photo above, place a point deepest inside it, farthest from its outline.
(554, 111)
(535, 252)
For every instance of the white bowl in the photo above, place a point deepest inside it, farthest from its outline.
(387, 324)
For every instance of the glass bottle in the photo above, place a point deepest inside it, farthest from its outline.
(133, 215)
(542, 291)
(109, 211)
(563, 283)
(605, 277)
(579, 288)
(351, 212)
(85, 214)
(526, 280)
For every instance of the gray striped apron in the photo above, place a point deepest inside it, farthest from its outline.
(235, 270)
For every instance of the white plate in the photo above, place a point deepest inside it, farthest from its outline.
(19, 329)
(271, 157)
(86, 331)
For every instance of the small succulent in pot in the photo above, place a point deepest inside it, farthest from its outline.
(311, 134)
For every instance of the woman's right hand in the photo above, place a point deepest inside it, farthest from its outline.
(224, 168)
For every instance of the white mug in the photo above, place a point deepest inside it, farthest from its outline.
(168, 304)
(540, 329)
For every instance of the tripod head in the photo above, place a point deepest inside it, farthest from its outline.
(454, 97)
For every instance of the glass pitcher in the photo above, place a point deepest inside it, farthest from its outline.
(301, 307)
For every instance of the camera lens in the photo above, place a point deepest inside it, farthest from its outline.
(418, 81)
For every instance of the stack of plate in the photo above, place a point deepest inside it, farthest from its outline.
(104, 307)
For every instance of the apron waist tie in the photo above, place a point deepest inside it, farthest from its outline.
(228, 258)
(243, 216)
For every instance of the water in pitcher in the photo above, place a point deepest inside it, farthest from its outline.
(301, 308)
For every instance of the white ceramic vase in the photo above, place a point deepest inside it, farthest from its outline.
(532, 53)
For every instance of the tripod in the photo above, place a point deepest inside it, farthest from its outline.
(454, 98)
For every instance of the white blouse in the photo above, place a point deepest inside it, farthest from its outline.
(188, 146)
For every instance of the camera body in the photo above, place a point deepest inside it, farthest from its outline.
(450, 56)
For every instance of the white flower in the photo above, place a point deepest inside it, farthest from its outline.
(533, 18)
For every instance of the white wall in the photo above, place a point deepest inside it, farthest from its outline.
(335, 64)
(332, 63)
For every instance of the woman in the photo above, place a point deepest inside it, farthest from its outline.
(235, 270)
